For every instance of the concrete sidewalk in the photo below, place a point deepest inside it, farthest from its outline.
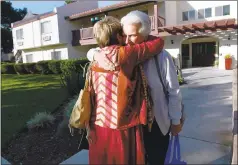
(207, 134)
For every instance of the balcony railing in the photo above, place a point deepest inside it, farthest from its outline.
(87, 33)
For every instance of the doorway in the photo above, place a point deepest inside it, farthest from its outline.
(203, 54)
(185, 55)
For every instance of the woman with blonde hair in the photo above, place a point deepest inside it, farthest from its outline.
(119, 104)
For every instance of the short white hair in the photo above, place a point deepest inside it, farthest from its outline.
(138, 17)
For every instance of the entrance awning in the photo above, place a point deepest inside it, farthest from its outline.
(223, 24)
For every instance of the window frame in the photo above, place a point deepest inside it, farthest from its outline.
(223, 10)
(42, 27)
(189, 18)
(21, 34)
(199, 13)
(27, 56)
(54, 54)
(183, 15)
(205, 15)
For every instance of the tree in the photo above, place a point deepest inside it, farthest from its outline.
(8, 16)
(69, 1)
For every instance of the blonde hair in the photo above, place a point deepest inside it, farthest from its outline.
(106, 30)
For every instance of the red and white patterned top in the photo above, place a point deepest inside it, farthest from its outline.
(105, 87)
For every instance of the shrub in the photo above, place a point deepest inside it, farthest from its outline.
(67, 66)
(72, 75)
(8, 68)
(54, 66)
(180, 80)
(42, 67)
(30, 68)
(20, 69)
(41, 120)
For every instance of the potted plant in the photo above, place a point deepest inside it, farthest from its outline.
(228, 61)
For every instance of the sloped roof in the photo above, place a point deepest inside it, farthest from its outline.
(29, 15)
(32, 17)
(106, 9)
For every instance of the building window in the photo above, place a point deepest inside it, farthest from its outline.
(56, 55)
(226, 10)
(185, 16)
(191, 15)
(218, 11)
(46, 27)
(201, 14)
(29, 58)
(19, 34)
(222, 10)
(208, 12)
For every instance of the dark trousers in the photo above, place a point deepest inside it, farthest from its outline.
(156, 145)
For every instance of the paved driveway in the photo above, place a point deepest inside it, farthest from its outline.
(207, 134)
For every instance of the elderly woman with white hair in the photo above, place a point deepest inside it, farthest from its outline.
(165, 90)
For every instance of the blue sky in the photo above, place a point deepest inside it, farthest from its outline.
(39, 7)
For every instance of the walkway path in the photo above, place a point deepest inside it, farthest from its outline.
(207, 134)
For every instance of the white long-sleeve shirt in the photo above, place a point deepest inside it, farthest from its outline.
(165, 111)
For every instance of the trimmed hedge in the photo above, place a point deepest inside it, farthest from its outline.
(42, 67)
(64, 67)
(54, 66)
(30, 68)
(8, 68)
(20, 69)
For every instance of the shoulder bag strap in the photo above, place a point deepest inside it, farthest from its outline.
(160, 77)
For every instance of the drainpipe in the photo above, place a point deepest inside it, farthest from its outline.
(156, 17)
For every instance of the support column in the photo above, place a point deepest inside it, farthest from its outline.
(156, 17)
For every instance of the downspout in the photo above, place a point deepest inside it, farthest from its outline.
(156, 17)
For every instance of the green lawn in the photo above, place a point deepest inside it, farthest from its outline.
(24, 95)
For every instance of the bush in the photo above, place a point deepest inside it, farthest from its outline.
(180, 80)
(72, 75)
(30, 68)
(54, 66)
(20, 69)
(42, 67)
(8, 68)
(41, 120)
